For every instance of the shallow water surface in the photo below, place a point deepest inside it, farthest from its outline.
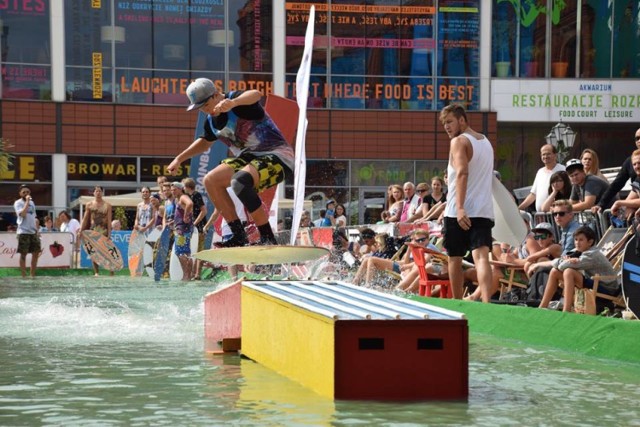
(120, 351)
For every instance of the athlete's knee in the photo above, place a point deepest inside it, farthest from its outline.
(218, 177)
(242, 186)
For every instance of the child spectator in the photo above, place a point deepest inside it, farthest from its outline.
(578, 269)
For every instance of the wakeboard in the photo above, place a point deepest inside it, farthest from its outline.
(175, 268)
(148, 253)
(136, 251)
(631, 276)
(163, 245)
(101, 250)
(262, 255)
(509, 226)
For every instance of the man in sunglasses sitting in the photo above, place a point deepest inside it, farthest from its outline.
(562, 211)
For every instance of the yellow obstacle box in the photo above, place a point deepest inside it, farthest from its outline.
(347, 342)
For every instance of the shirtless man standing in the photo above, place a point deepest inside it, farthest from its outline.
(97, 216)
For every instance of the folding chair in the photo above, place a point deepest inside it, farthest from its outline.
(514, 276)
(427, 282)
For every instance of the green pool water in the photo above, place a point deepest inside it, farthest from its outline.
(120, 351)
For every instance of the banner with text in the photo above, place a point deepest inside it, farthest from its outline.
(568, 100)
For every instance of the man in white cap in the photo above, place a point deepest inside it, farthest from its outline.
(262, 155)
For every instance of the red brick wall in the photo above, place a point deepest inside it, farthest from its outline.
(129, 130)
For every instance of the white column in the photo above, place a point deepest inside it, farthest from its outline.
(485, 55)
(279, 47)
(56, 19)
(59, 174)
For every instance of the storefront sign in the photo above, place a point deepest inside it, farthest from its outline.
(87, 168)
(153, 167)
(567, 100)
(28, 168)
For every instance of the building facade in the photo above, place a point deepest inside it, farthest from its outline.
(93, 91)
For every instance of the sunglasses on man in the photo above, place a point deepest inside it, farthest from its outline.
(560, 213)
(541, 236)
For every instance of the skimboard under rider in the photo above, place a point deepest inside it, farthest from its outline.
(261, 155)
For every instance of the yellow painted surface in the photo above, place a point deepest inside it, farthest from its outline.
(273, 397)
(294, 342)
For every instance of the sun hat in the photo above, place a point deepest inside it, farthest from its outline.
(199, 92)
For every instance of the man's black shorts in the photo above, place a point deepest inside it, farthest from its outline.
(458, 241)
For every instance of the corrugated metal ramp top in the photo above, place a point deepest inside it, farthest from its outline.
(343, 301)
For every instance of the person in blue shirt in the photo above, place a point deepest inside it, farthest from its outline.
(562, 211)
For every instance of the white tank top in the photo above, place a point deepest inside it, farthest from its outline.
(478, 202)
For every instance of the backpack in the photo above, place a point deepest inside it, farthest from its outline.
(537, 283)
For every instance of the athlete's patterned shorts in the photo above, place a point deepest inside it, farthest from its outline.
(182, 245)
(269, 167)
(28, 243)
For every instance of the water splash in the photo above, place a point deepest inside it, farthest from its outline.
(96, 312)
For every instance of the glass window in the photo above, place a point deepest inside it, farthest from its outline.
(381, 54)
(297, 15)
(532, 32)
(25, 56)
(25, 32)
(88, 30)
(595, 53)
(503, 38)
(458, 37)
(41, 194)
(252, 52)
(329, 173)
(425, 170)
(152, 86)
(626, 24)
(380, 173)
(563, 39)
(459, 90)
(81, 85)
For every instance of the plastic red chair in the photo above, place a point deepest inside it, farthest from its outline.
(427, 283)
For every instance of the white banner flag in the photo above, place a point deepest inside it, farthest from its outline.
(302, 93)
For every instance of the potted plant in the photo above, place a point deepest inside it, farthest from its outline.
(531, 54)
(503, 32)
(561, 65)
